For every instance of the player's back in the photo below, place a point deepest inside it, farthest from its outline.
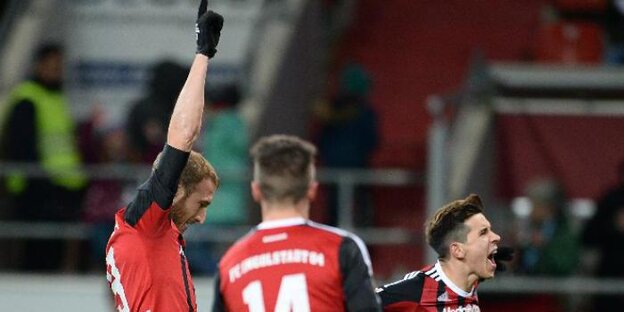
(290, 265)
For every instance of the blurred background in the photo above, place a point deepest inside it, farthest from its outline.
(412, 103)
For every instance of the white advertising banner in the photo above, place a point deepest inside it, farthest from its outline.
(112, 44)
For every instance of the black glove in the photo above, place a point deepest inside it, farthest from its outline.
(503, 254)
(207, 30)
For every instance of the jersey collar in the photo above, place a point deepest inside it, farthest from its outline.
(281, 223)
(450, 283)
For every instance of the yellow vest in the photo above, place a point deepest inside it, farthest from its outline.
(56, 143)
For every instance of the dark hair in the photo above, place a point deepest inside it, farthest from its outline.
(447, 225)
(166, 80)
(283, 165)
(227, 94)
(47, 49)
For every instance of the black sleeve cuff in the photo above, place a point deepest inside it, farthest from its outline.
(170, 166)
(161, 186)
(168, 172)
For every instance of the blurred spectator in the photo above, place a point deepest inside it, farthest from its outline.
(226, 145)
(605, 233)
(38, 129)
(550, 247)
(148, 119)
(104, 195)
(349, 136)
(614, 30)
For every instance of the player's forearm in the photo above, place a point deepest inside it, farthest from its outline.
(186, 118)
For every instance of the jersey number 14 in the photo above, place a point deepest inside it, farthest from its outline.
(292, 296)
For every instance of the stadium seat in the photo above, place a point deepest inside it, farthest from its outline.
(569, 43)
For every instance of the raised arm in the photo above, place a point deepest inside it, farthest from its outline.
(186, 118)
(184, 128)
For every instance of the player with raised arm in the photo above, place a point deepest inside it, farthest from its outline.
(145, 262)
(467, 253)
(288, 263)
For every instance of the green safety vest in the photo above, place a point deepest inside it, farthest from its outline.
(56, 143)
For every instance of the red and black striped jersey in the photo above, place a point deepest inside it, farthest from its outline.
(296, 265)
(145, 262)
(427, 290)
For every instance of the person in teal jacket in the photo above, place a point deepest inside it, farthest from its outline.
(552, 247)
(226, 143)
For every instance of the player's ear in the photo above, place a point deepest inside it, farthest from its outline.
(256, 193)
(457, 250)
(312, 190)
(179, 195)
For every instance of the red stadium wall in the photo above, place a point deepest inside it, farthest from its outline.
(583, 152)
(415, 48)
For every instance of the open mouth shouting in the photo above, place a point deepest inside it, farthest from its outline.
(490, 259)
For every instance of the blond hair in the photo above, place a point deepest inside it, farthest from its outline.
(197, 168)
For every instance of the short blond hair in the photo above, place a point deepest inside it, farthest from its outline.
(197, 168)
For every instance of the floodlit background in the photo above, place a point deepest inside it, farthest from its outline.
(412, 104)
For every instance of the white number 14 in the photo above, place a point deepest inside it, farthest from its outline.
(292, 296)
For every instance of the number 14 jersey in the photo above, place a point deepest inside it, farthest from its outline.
(296, 265)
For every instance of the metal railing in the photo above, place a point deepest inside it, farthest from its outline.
(345, 181)
(549, 285)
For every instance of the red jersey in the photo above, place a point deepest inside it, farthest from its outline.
(145, 262)
(427, 290)
(296, 265)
